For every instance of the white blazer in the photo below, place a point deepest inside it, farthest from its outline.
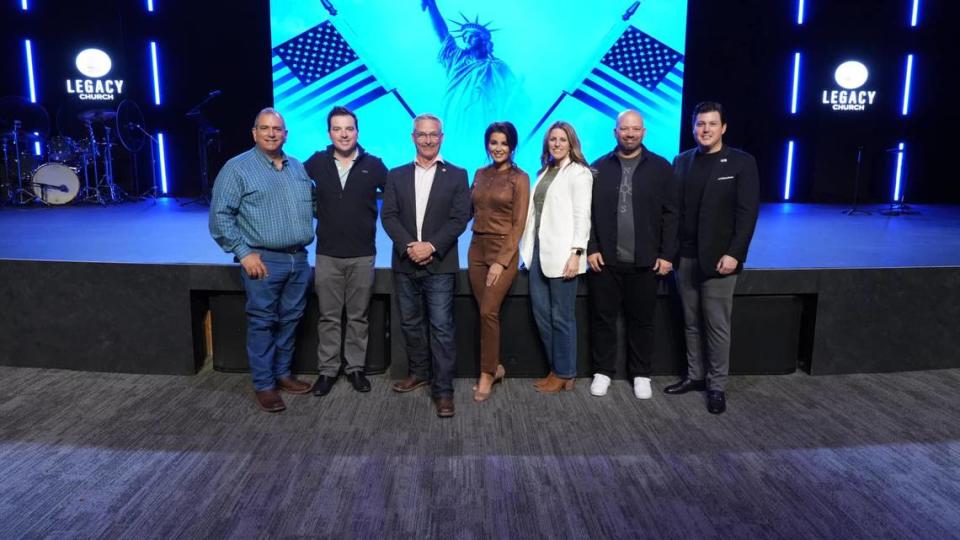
(564, 223)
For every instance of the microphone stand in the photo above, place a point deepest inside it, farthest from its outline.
(154, 192)
(899, 208)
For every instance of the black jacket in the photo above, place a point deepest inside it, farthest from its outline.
(655, 209)
(446, 217)
(346, 216)
(728, 209)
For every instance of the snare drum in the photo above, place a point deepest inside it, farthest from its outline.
(55, 183)
(61, 149)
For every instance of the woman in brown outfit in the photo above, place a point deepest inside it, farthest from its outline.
(501, 194)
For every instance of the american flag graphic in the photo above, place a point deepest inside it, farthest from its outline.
(638, 72)
(318, 69)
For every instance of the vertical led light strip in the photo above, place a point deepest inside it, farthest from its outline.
(163, 163)
(24, 5)
(914, 12)
(799, 11)
(150, 6)
(796, 83)
(896, 181)
(28, 50)
(907, 77)
(156, 73)
(788, 174)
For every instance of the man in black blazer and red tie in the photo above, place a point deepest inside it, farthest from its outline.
(719, 203)
(426, 206)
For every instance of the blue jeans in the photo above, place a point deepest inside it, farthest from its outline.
(554, 310)
(426, 309)
(274, 307)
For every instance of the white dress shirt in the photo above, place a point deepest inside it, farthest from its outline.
(423, 183)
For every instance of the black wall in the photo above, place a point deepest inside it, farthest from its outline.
(738, 52)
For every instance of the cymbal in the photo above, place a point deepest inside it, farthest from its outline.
(97, 115)
(30, 116)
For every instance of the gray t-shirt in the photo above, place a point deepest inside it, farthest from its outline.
(626, 237)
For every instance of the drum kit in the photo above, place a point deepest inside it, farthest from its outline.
(42, 169)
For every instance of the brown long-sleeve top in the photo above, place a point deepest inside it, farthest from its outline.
(500, 200)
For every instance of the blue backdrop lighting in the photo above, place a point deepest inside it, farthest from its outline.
(531, 63)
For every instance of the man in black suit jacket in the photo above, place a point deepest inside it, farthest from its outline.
(720, 193)
(426, 206)
(633, 239)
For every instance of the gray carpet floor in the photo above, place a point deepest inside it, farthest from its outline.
(111, 455)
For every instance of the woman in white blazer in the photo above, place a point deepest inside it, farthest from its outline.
(552, 248)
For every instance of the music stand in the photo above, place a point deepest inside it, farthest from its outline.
(206, 134)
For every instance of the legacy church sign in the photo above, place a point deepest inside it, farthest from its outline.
(850, 76)
(95, 65)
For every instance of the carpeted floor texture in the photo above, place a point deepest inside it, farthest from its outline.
(85, 455)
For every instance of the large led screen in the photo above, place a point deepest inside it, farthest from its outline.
(531, 62)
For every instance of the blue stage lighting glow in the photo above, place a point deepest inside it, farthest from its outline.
(799, 11)
(163, 163)
(796, 83)
(156, 73)
(788, 174)
(24, 5)
(907, 77)
(896, 182)
(914, 12)
(29, 52)
(150, 6)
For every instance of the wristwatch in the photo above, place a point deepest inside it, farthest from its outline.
(578, 251)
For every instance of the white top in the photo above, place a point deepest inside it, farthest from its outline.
(423, 183)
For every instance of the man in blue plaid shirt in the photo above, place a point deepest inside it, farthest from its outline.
(262, 213)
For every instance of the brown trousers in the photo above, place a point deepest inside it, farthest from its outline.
(482, 254)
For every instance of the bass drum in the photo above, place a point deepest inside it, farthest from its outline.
(55, 183)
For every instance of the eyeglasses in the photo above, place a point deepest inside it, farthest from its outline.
(423, 136)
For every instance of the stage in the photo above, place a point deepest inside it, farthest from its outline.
(128, 287)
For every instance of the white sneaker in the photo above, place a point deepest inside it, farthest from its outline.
(600, 384)
(641, 388)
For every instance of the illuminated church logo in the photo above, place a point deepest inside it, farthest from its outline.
(94, 64)
(850, 76)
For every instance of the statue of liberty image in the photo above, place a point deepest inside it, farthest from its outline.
(480, 86)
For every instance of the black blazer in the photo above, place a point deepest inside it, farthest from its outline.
(728, 209)
(655, 209)
(447, 213)
(346, 215)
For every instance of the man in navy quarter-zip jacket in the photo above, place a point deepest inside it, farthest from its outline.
(347, 181)
(719, 203)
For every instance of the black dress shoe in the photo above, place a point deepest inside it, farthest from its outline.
(684, 386)
(716, 402)
(359, 381)
(323, 385)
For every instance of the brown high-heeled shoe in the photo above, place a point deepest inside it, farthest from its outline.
(556, 385)
(548, 379)
(498, 376)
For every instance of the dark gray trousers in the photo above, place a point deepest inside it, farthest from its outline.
(343, 283)
(707, 309)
